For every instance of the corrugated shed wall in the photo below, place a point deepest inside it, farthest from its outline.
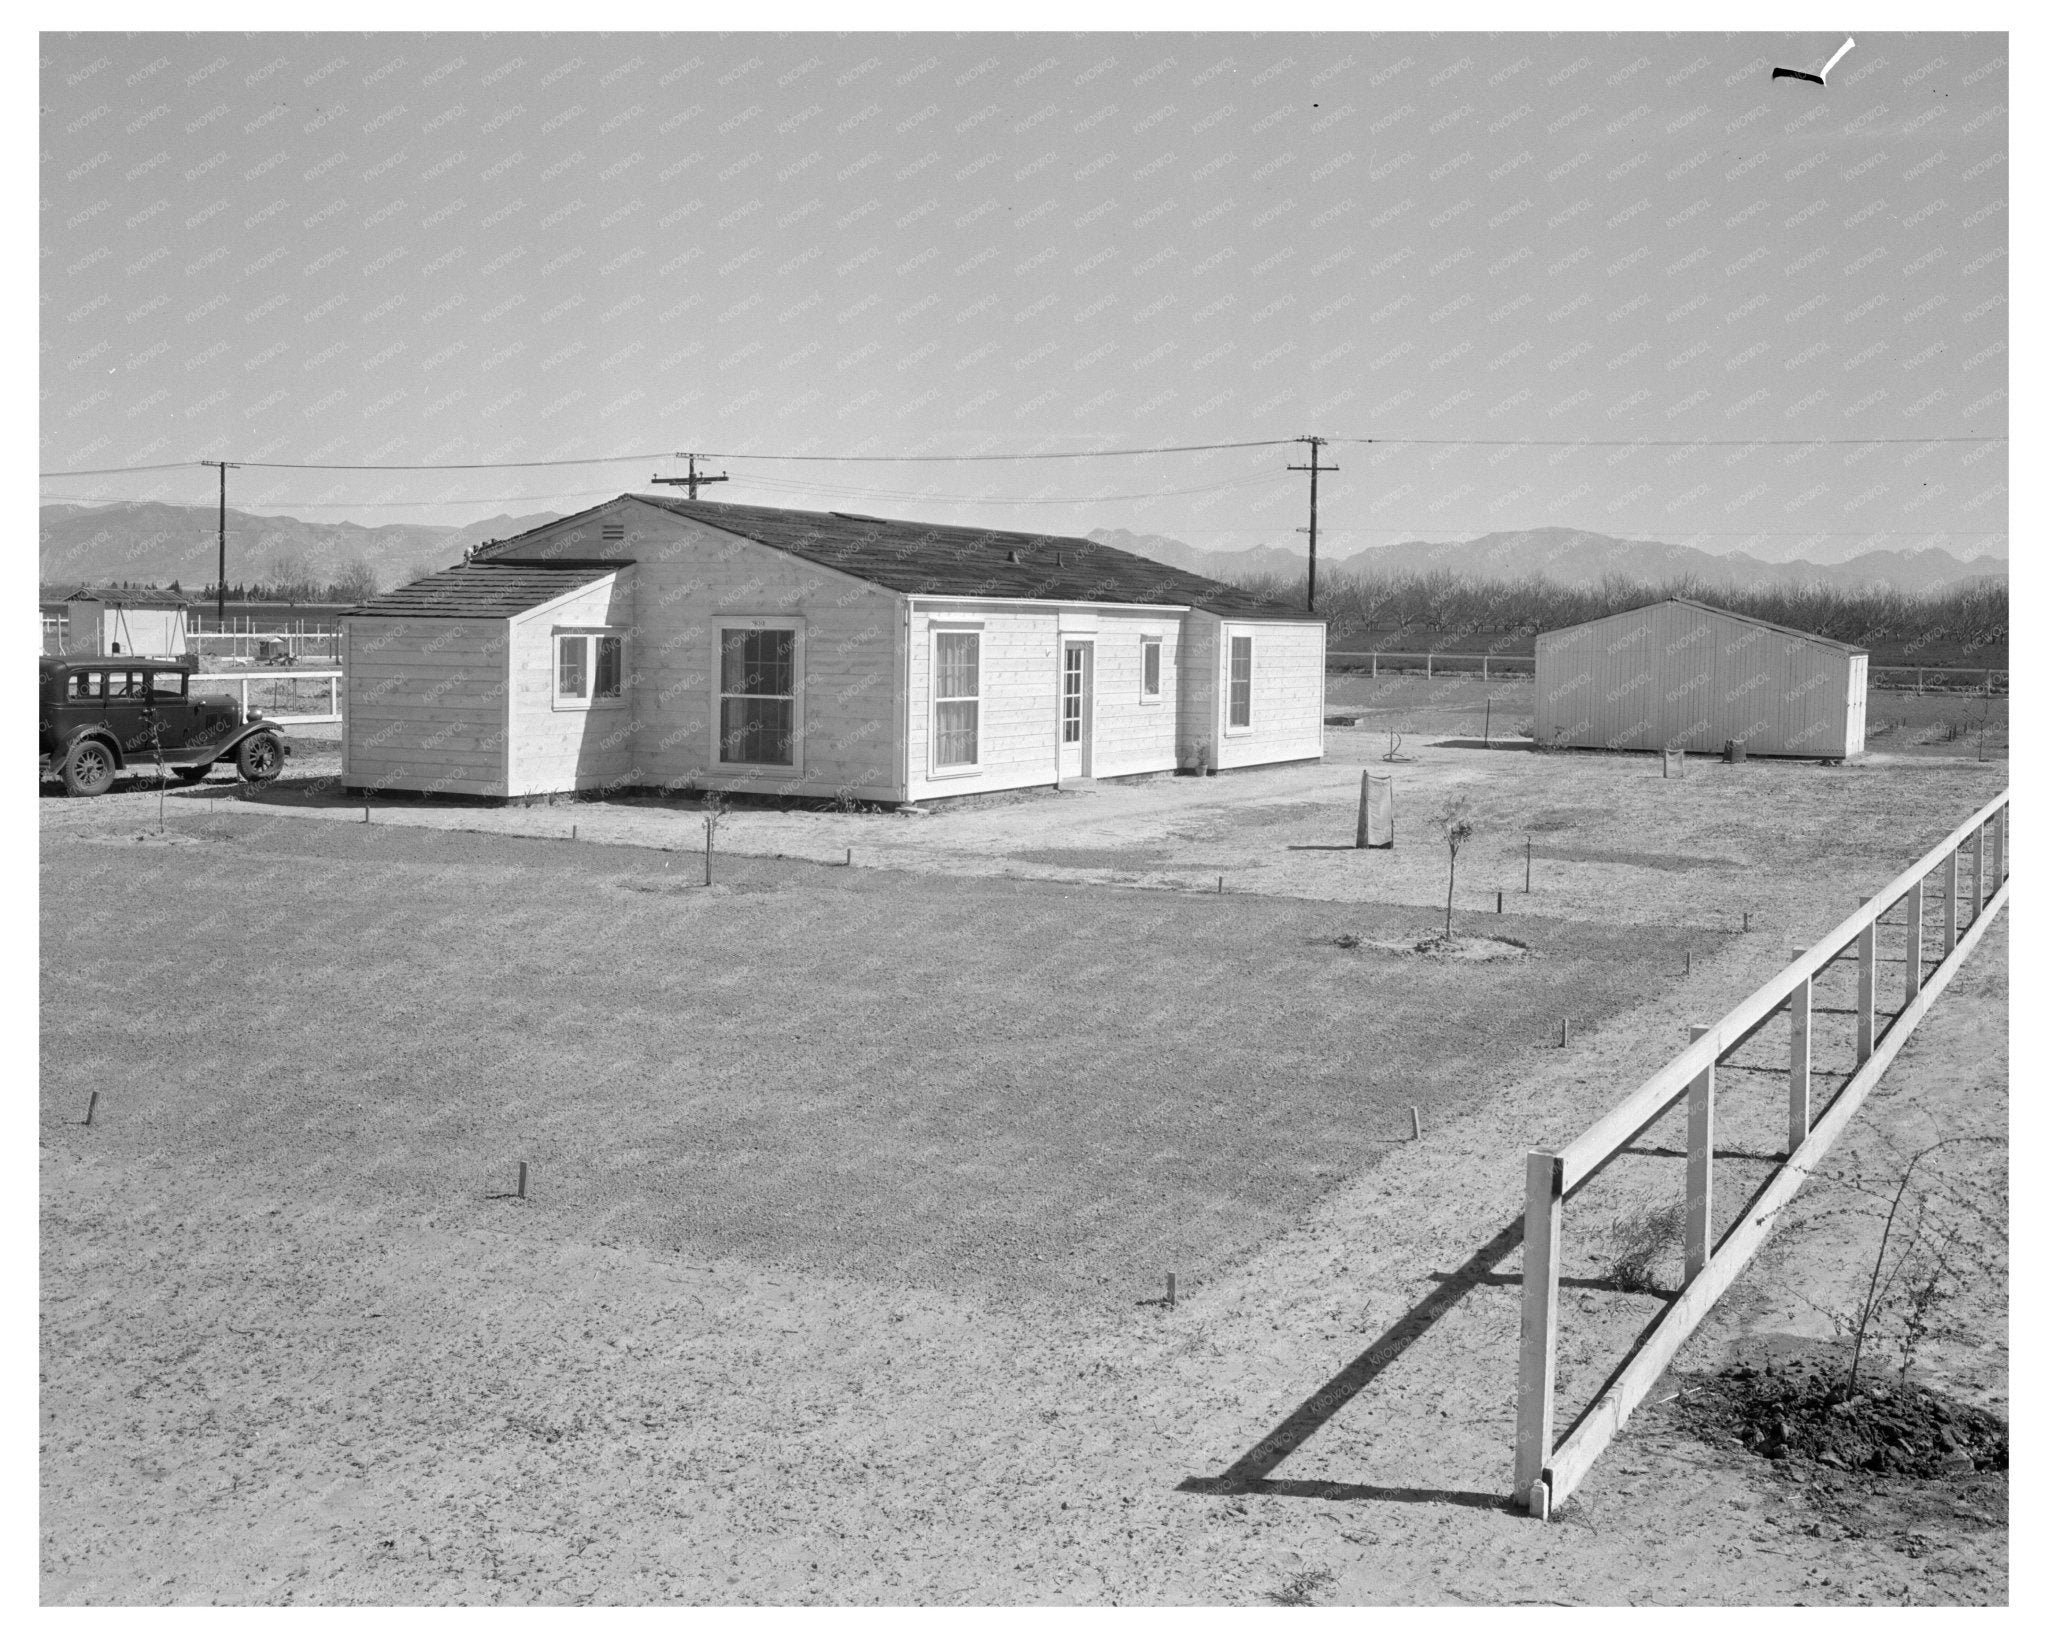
(1679, 676)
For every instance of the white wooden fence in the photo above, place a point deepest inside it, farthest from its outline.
(1548, 1470)
(243, 679)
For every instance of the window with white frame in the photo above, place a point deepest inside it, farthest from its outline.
(1148, 669)
(590, 669)
(956, 699)
(1240, 682)
(757, 683)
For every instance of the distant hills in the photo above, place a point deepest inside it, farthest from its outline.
(1576, 557)
(152, 542)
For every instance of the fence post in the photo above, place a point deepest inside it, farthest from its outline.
(1536, 1405)
(1977, 873)
(2000, 837)
(1798, 1117)
(1699, 1167)
(1948, 944)
(1915, 916)
(245, 699)
(1483, 660)
(1375, 664)
(1866, 987)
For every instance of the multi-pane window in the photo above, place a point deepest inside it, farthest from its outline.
(757, 696)
(1240, 682)
(956, 699)
(82, 685)
(1148, 668)
(590, 668)
(1070, 698)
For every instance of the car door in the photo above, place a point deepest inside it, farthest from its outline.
(177, 716)
(127, 713)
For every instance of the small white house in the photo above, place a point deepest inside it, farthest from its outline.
(150, 623)
(660, 643)
(1681, 675)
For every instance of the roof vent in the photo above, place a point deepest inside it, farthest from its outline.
(1014, 557)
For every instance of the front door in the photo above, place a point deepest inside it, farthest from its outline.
(1077, 708)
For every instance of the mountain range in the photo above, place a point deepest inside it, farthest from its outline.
(1574, 557)
(154, 542)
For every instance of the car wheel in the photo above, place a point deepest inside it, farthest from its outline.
(192, 776)
(261, 758)
(89, 769)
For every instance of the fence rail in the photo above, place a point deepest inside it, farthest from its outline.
(1548, 1470)
(299, 644)
(1984, 679)
(243, 679)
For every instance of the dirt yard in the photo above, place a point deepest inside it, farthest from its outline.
(853, 1191)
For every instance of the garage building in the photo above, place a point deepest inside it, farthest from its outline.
(1682, 675)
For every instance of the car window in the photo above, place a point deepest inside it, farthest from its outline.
(167, 684)
(82, 685)
(124, 685)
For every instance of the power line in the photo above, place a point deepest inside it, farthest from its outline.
(660, 455)
(1663, 443)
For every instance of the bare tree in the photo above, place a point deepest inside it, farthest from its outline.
(1453, 822)
(357, 583)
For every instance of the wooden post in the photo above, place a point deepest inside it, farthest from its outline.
(1799, 1075)
(1536, 1403)
(1699, 1167)
(1489, 713)
(1915, 920)
(1375, 665)
(522, 1180)
(1414, 1124)
(1364, 794)
(1977, 874)
(1429, 663)
(1948, 942)
(1528, 860)
(2000, 838)
(1866, 988)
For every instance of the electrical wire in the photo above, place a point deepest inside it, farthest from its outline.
(1664, 443)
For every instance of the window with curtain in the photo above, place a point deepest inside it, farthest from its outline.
(1240, 682)
(956, 697)
(757, 697)
(590, 668)
(1148, 669)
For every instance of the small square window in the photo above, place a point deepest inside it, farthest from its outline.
(590, 669)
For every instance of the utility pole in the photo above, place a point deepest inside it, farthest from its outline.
(694, 478)
(220, 587)
(1314, 469)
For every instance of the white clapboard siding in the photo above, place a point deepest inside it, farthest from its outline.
(1682, 676)
(685, 575)
(426, 705)
(1287, 693)
(1019, 697)
(570, 748)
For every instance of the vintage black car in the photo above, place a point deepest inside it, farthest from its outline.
(103, 714)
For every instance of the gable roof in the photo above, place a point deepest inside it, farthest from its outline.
(945, 560)
(116, 597)
(1725, 614)
(489, 591)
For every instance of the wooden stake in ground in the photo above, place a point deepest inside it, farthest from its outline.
(1169, 1291)
(91, 1104)
(522, 1180)
(714, 805)
(1414, 1124)
(1528, 861)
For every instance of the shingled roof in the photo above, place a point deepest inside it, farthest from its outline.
(942, 560)
(484, 590)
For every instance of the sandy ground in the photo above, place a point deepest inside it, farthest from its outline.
(258, 1389)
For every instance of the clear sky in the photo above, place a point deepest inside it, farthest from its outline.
(410, 249)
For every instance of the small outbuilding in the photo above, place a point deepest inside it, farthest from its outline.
(121, 621)
(661, 643)
(1682, 675)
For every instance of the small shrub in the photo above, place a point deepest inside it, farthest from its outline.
(1640, 1238)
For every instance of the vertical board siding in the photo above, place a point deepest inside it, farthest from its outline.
(1676, 676)
(570, 750)
(1287, 693)
(426, 705)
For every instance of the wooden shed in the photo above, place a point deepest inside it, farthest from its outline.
(120, 621)
(660, 643)
(1681, 675)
